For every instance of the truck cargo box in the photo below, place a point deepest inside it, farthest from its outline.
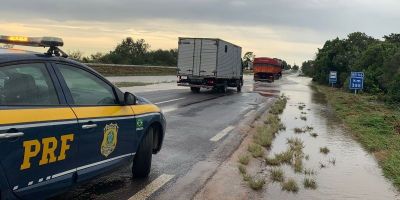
(207, 57)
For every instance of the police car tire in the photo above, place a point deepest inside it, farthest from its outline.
(142, 161)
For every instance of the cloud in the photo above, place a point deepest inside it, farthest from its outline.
(283, 23)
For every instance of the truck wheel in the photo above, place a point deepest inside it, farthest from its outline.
(224, 88)
(142, 161)
(239, 86)
(195, 89)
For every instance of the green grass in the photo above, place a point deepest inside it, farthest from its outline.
(279, 106)
(277, 175)
(324, 150)
(242, 169)
(264, 136)
(256, 150)
(133, 71)
(290, 185)
(131, 84)
(298, 165)
(256, 183)
(244, 159)
(310, 183)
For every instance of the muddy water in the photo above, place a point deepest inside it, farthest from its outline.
(355, 173)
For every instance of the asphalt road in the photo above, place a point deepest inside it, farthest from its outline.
(201, 133)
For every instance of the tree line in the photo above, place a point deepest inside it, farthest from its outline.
(131, 52)
(378, 59)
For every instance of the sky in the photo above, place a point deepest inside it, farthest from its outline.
(292, 30)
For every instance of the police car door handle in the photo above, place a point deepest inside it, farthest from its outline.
(89, 126)
(11, 135)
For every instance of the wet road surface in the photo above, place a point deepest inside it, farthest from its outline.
(197, 125)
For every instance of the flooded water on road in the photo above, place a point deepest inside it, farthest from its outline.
(346, 172)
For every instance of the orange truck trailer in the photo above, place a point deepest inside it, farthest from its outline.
(267, 69)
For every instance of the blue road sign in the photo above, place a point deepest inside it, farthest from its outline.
(332, 77)
(356, 81)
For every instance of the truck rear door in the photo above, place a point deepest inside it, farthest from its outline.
(208, 57)
(185, 56)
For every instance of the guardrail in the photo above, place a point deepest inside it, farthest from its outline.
(119, 65)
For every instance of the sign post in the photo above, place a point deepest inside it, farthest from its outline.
(332, 77)
(356, 81)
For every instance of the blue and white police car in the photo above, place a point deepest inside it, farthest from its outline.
(62, 123)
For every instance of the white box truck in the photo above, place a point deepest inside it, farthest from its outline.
(209, 63)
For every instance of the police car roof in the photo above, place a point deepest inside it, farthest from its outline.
(12, 55)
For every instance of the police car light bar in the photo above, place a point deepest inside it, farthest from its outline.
(32, 41)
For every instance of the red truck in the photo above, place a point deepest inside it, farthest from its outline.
(267, 69)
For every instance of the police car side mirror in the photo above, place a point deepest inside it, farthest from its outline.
(129, 98)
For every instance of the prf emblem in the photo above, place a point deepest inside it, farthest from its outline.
(109, 140)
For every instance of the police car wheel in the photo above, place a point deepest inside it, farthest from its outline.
(142, 162)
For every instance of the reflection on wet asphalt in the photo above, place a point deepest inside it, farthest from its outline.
(350, 172)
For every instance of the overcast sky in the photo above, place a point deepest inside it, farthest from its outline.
(287, 29)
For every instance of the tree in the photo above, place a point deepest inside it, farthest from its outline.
(75, 55)
(295, 67)
(248, 58)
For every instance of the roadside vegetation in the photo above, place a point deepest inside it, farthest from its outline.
(132, 71)
(131, 84)
(262, 141)
(378, 59)
(374, 124)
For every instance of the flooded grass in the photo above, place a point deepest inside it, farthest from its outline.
(309, 172)
(314, 135)
(290, 185)
(272, 161)
(374, 125)
(298, 130)
(324, 150)
(256, 183)
(310, 183)
(277, 175)
(244, 159)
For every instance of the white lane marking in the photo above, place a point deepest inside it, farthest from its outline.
(249, 113)
(152, 187)
(170, 109)
(171, 100)
(222, 134)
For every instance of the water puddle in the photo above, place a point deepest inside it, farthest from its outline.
(346, 172)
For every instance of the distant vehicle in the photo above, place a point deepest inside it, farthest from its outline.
(209, 63)
(267, 69)
(62, 123)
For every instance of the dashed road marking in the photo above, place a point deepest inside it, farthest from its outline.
(152, 187)
(168, 109)
(167, 101)
(221, 134)
(249, 113)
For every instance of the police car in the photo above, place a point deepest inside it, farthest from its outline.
(62, 123)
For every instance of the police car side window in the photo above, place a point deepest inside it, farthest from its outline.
(26, 85)
(86, 88)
